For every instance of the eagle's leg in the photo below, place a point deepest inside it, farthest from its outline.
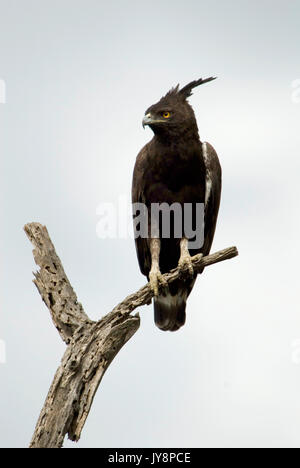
(155, 276)
(185, 261)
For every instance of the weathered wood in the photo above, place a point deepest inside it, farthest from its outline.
(90, 352)
(144, 295)
(53, 284)
(91, 345)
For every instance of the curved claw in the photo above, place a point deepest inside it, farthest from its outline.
(185, 265)
(156, 281)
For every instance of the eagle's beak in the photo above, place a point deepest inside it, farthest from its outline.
(147, 120)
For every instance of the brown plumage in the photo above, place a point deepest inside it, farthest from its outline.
(174, 167)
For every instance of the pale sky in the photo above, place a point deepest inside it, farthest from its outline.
(79, 76)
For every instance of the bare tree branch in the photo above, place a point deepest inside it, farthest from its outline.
(91, 345)
(53, 284)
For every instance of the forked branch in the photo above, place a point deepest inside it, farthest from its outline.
(91, 346)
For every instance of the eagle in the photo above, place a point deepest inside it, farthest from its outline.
(175, 167)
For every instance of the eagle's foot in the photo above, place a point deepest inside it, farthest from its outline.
(185, 265)
(197, 257)
(156, 280)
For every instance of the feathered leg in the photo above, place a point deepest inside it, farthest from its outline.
(185, 261)
(155, 276)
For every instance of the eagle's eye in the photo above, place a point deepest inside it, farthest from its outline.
(166, 114)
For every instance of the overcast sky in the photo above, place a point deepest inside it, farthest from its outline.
(79, 76)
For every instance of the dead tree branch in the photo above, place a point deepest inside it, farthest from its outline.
(91, 346)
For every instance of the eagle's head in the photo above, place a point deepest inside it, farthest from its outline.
(173, 115)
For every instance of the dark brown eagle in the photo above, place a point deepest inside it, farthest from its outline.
(174, 167)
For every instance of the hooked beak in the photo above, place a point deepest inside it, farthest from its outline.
(147, 120)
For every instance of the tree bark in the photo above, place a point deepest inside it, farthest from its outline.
(91, 346)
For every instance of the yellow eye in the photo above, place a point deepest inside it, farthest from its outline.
(166, 114)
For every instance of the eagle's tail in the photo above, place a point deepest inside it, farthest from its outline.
(169, 311)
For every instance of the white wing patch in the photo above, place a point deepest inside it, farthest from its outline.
(208, 181)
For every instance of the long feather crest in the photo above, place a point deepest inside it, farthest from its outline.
(186, 91)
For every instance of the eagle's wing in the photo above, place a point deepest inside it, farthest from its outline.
(212, 194)
(138, 181)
